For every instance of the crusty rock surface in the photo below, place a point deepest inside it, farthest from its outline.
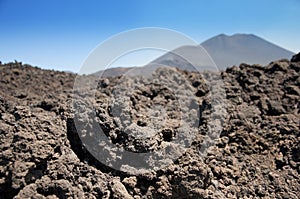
(296, 58)
(256, 155)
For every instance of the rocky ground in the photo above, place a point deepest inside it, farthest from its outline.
(255, 155)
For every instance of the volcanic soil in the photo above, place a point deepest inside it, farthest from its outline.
(256, 153)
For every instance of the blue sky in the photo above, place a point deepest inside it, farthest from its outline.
(59, 34)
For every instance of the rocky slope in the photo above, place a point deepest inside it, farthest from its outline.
(257, 154)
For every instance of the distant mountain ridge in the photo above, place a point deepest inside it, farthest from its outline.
(248, 48)
(225, 51)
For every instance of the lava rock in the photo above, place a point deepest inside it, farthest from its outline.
(296, 58)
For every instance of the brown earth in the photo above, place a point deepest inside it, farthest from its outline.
(257, 154)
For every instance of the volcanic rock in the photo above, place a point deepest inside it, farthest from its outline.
(254, 154)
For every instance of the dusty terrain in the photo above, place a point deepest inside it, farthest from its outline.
(257, 154)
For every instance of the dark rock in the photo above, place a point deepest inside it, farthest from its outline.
(275, 108)
(296, 58)
(254, 154)
(167, 134)
(46, 105)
